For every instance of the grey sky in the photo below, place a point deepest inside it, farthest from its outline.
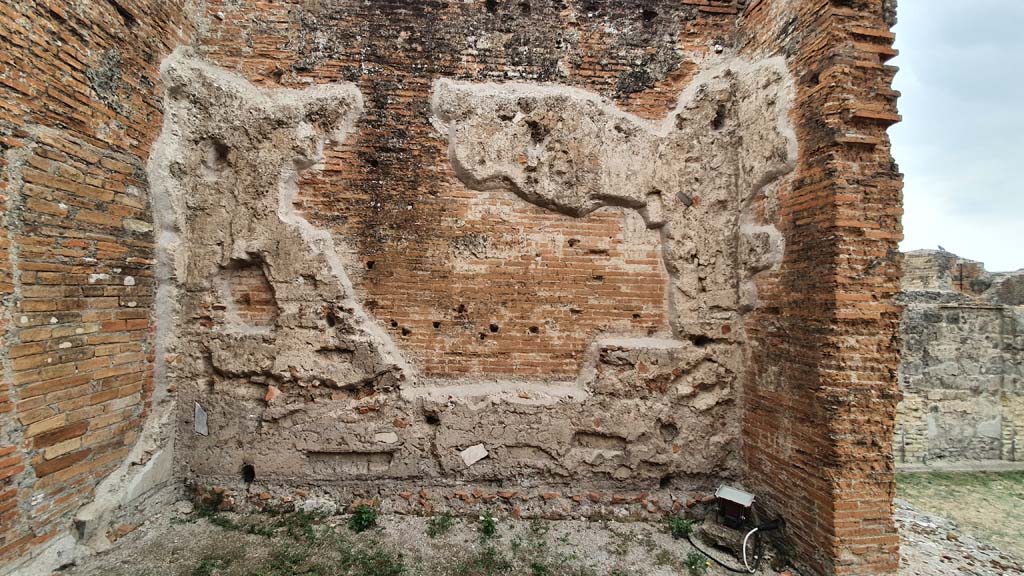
(961, 143)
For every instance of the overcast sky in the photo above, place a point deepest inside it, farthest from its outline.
(961, 142)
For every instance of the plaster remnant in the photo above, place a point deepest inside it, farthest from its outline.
(473, 454)
(312, 390)
(698, 175)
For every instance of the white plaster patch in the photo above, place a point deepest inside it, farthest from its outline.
(386, 437)
(473, 454)
(200, 425)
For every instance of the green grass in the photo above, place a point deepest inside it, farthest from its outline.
(679, 528)
(697, 563)
(988, 505)
(362, 519)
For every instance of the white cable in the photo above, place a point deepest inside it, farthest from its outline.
(745, 564)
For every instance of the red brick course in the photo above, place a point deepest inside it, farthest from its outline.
(823, 392)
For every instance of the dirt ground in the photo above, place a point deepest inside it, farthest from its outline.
(988, 505)
(950, 525)
(196, 544)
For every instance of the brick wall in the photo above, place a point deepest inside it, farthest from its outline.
(251, 297)
(444, 268)
(78, 111)
(822, 394)
(476, 285)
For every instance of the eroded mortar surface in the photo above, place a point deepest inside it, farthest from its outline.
(285, 381)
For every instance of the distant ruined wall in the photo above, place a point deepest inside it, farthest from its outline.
(962, 370)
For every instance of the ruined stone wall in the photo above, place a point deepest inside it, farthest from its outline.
(821, 395)
(543, 257)
(560, 299)
(961, 370)
(78, 112)
(578, 321)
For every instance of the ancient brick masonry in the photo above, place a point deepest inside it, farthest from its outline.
(362, 309)
(78, 111)
(823, 392)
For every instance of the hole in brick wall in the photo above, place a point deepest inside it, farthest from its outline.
(482, 336)
(719, 121)
(370, 264)
(538, 131)
(665, 481)
(700, 341)
(406, 331)
(373, 162)
(811, 78)
(127, 17)
(573, 242)
(669, 431)
(598, 277)
(332, 320)
(432, 418)
(648, 14)
(491, 5)
(461, 309)
(534, 330)
(437, 325)
(394, 323)
(575, 311)
(248, 473)
(494, 328)
(251, 296)
(217, 154)
(525, 8)
(636, 316)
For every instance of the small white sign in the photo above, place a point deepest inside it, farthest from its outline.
(200, 421)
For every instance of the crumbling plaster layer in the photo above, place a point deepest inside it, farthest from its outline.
(323, 398)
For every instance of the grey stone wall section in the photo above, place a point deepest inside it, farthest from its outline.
(961, 370)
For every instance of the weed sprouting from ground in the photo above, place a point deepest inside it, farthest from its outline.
(679, 528)
(363, 518)
(697, 564)
(664, 558)
(488, 527)
(440, 525)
